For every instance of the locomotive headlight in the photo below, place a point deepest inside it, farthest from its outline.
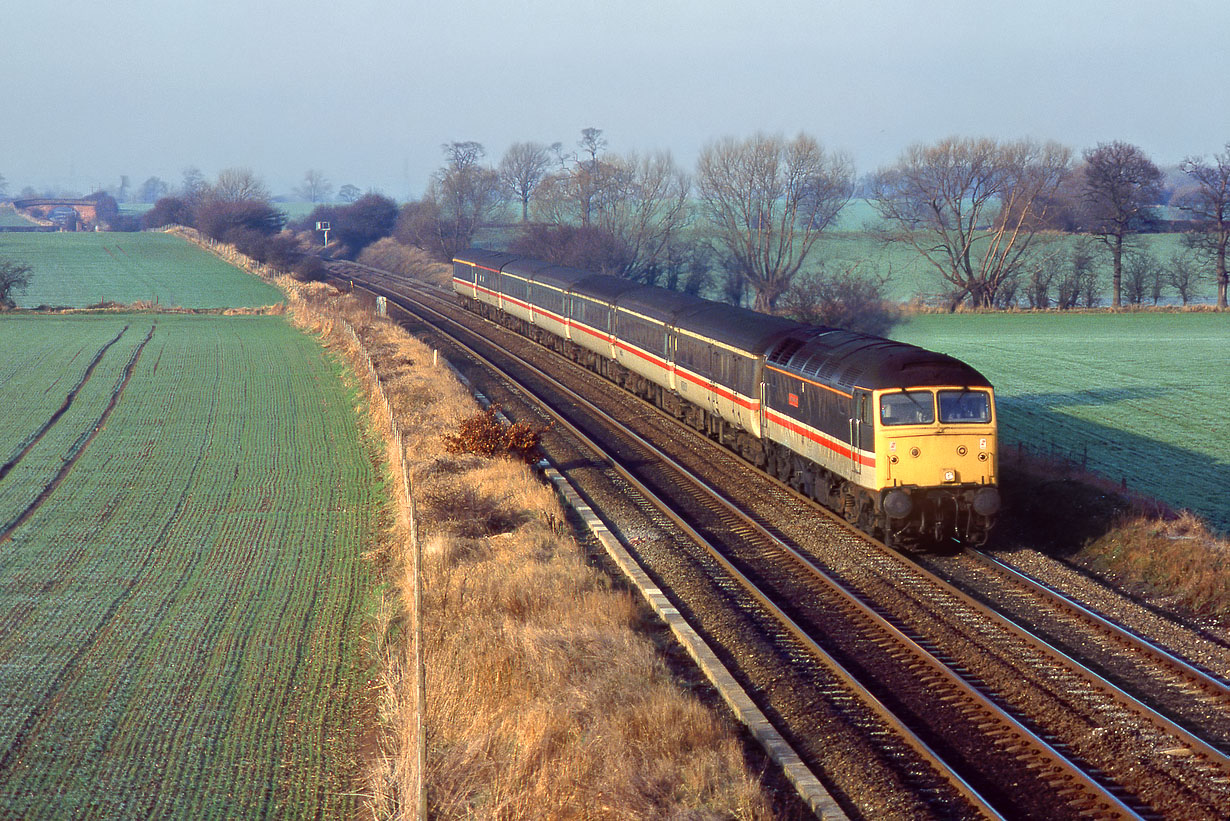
(986, 502)
(898, 504)
(961, 451)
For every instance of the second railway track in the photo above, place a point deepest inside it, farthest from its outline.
(1033, 731)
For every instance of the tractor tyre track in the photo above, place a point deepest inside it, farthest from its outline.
(38, 435)
(10, 755)
(82, 442)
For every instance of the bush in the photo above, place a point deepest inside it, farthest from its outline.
(355, 226)
(485, 435)
(310, 269)
(168, 211)
(282, 251)
(846, 300)
(219, 218)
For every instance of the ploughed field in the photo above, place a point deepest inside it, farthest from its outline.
(1139, 397)
(184, 504)
(73, 270)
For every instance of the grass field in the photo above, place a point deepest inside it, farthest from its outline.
(912, 277)
(181, 593)
(1139, 396)
(80, 269)
(10, 217)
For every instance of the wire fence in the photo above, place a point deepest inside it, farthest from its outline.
(395, 434)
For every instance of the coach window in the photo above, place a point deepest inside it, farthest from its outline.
(907, 408)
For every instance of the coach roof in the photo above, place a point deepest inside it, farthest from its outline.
(659, 303)
(525, 267)
(602, 288)
(737, 327)
(560, 276)
(494, 260)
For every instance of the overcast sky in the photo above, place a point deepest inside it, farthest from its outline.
(368, 90)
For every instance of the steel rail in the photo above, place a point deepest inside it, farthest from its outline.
(1208, 682)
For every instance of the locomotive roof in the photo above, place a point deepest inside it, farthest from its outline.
(848, 360)
(738, 327)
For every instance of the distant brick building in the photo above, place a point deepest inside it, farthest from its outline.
(70, 215)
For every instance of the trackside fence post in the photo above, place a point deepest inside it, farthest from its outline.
(420, 672)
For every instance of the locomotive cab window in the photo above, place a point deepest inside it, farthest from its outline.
(907, 408)
(967, 406)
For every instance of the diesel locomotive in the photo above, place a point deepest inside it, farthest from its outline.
(899, 440)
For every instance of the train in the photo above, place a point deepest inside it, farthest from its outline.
(899, 440)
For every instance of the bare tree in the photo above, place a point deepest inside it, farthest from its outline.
(14, 276)
(1181, 275)
(522, 168)
(972, 208)
(1208, 202)
(768, 200)
(152, 190)
(1141, 277)
(591, 173)
(585, 184)
(1121, 184)
(463, 194)
(238, 185)
(315, 187)
(646, 209)
(349, 193)
(635, 206)
(192, 189)
(1080, 277)
(1042, 276)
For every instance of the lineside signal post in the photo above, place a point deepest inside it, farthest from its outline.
(324, 226)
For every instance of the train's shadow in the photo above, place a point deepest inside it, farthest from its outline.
(1061, 474)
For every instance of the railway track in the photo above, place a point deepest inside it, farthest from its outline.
(907, 696)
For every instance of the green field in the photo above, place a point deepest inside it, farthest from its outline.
(9, 217)
(80, 269)
(1140, 396)
(181, 592)
(913, 277)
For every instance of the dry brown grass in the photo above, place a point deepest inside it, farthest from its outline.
(1174, 560)
(390, 255)
(145, 306)
(544, 700)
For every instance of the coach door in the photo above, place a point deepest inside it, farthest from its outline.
(862, 429)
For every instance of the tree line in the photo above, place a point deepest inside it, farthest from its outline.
(984, 214)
